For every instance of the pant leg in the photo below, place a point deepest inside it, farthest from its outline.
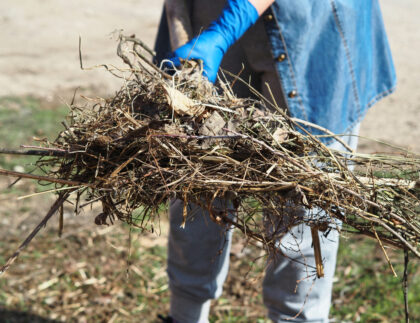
(198, 261)
(289, 287)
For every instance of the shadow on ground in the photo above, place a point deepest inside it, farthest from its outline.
(11, 316)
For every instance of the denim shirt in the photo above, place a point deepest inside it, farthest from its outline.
(332, 57)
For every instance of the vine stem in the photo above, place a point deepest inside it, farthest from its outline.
(405, 286)
(57, 204)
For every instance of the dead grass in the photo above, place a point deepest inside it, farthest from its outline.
(89, 276)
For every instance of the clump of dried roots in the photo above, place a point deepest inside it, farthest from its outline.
(178, 136)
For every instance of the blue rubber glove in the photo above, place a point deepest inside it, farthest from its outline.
(212, 44)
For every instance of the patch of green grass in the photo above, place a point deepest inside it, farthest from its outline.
(24, 209)
(400, 174)
(14, 190)
(147, 220)
(3, 298)
(366, 290)
(405, 174)
(231, 317)
(21, 119)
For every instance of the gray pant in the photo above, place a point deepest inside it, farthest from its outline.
(198, 255)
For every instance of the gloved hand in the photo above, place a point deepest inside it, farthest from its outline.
(212, 44)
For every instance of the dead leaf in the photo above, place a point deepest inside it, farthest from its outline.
(180, 103)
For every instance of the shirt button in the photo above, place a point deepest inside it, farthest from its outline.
(292, 94)
(281, 57)
(268, 17)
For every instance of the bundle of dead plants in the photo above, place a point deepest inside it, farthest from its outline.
(177, 136)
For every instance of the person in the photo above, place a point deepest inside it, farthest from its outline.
(326, 62)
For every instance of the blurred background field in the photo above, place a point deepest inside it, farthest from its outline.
(90, 274)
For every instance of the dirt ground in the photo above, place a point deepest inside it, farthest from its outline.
(39, 55)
